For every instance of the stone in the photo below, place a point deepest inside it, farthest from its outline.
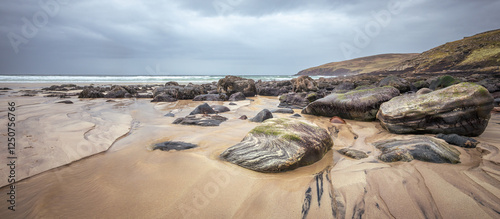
(169, 115)
(66, 102)
(210, 97)
(337, 120)
(424, 91)
(279, 145)
(360, 105)
(283, 110)
(90, 93)
(118, 92)
(458, 140)
(232, 104)
(174, 145)
(462, 109)
(237, 97)
(201, 121)
(243, 117)
(163, 98)
(220, 109)
(180, 92)
(443, 82)
(423, 148)
(352, 153)
(399, 83)
(273, 88)
(233, 84)
(203, 109)
(262, 116)
(304, 84)
(293, 100)
(296, 115)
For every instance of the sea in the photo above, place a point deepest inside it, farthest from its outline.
(184, 79)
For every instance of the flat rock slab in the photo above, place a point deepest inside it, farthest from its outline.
(462, 109)
(201, 121)
(280, 144)
(352, 153)
(422, 148)
(174, 145)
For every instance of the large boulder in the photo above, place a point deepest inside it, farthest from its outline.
(399, 83)
(298, 100)
(442, 82)
(304, 84)
(233, 84)
(262, 116)
(203, 109)
(163, 98)
(422, 148)
(358, 105)
(237, 97)
(280, 145)
(273, 88)
(118, 92)
(180, 92)
(91, 92)
(462, 109)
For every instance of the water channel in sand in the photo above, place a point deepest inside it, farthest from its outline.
(130, 180)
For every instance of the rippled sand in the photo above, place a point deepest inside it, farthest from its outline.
(128, 180)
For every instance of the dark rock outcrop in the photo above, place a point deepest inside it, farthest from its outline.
(273, 88)
(203, 109)
(66, 102)
(174, 145)
(458, 140)
(262, 116)
(180, 92)
(201, 121)
(463, 109)
(399, 83)
(304, 84)
(91, 92)
(352, 153)
(118, 92)
(237, 97)
(283, 110)
(422, 148)
(233, 84)
(442, 82)
(220, 109)
(163, 98)
(298, 100)
(358, 105)
(280, 145)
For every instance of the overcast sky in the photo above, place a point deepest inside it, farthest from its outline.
(199, 37)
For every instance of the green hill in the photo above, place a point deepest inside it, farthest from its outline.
(480, 52)
(359, 65)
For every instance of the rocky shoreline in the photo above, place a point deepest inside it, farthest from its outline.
(456, 103)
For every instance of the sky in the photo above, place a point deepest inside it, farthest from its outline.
(222, 37)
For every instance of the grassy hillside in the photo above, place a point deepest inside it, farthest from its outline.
(359, 65)
(478, 52)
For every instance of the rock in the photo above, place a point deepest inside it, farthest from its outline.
(232, 84)
(343, 135)
(220, 109)
(296, 115)
(174, 145)
(420, 84)
(496, 109)
(170, 115)
(180, 92)
(443, 82)
(210, 97)
(203, 109)
(279, 145)
(273, 88)
(358, 105)
(171, 83)
(424, 91)
(458, 140)
(118, 92)
(298, 100)
(201, 121)
(90, 93)
(233, 104)
(462, 109)
(345, 87)
(163, 98)
(497, 101)
(262, 116)
(144, 96)
(237, 97)
(304, 84)
(422, 148)
(352, 153)
(337, 120)
(66, 102)
(283, 110)
(243, 117)
(401, 84)
(5, 88)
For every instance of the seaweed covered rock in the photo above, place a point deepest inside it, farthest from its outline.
(422, 148)
(442, 82)
(462, 109)
(358, 105)
(280, 145)
(233, 84)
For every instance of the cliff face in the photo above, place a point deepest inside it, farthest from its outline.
(478, 52)
(359, 65)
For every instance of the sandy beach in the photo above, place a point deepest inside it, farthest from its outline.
(94, 158)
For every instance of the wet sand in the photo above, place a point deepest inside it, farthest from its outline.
(94, 159)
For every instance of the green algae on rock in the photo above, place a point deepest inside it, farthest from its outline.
(280, 144)
(462, 109)
(358, 104)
